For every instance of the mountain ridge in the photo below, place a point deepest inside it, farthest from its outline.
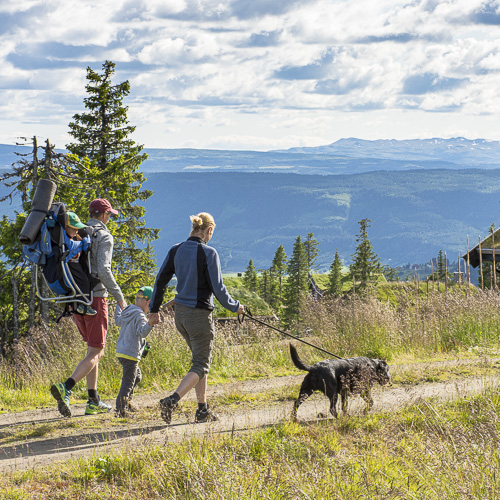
(345, 156)
(417, 206)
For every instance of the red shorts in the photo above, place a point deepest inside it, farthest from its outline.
(94, 328)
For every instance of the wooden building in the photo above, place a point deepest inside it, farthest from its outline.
(487, 250)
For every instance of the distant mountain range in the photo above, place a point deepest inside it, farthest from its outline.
(414, 214)
(346, 156)
(422, 196)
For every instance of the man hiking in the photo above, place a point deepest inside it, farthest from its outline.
(93, 329)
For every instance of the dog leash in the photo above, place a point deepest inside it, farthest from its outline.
(249, 315)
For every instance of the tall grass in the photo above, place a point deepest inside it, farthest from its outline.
(423, 452)
(412, 325)
(416, 325)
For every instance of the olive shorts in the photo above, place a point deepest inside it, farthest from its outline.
(197, 328)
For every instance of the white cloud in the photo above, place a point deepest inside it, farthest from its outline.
(203, 65)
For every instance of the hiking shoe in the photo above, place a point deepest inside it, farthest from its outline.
(167, 405)
(86, 310)
(94, 407)
(205, 415)
(62, 396)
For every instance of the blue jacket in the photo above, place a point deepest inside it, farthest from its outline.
(198, 272)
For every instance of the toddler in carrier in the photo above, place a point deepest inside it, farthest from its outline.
(76, 264)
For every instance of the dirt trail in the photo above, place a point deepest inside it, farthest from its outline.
(109, 434)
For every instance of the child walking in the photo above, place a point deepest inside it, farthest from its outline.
(134, 328)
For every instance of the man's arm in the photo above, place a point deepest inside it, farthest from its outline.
(104, 273)
(118, 315)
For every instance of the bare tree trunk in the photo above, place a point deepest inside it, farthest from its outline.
(494, 268)
(44, 305)
(459, 274)
(32, 293)
(32, 302)
(468, 267)
(445, 273)
(481, 264)
(15, 307)
(2, 340)
(432, 274)
(48, 159)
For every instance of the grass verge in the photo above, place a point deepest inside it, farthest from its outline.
(424, 451)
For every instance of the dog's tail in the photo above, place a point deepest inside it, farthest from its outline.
(297, 361)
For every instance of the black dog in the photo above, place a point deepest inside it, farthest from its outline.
(340, 376)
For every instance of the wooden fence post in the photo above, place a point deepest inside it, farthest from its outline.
(481, 264)
(494, 270)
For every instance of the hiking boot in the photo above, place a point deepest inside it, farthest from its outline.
(86, 310)
(62, 396)
(95, 407)
(204, 415)
(167, 405)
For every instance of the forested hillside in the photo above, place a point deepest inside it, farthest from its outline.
(414, 214)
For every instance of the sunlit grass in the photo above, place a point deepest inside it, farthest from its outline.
(424, 451)
(417, 327)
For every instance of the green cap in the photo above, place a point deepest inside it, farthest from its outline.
(73, 221)
(145, 291)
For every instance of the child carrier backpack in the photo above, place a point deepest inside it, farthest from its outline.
(51, 253)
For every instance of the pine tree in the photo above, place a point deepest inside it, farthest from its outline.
(250, 277)
(311, 247)
(366, 263)
(102, 135)
(441, 266)
(273, 291)
(335, 276)
(264, 285)
(279, 266)
(296, 285)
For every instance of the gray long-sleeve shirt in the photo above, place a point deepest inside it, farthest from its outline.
(101, 253)
(134, 328)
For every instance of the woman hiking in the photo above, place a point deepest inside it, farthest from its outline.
(197, 269)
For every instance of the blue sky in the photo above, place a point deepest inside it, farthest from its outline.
(256, 74)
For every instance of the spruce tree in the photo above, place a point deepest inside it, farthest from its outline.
(311, 247)
(250, 277)
(279, 266)
(264, 285)
(441, 266)
(365, 262)
(335, 276)
(272, 289)
(102, 135)
(296, 284)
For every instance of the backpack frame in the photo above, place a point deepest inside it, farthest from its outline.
(55, 268)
